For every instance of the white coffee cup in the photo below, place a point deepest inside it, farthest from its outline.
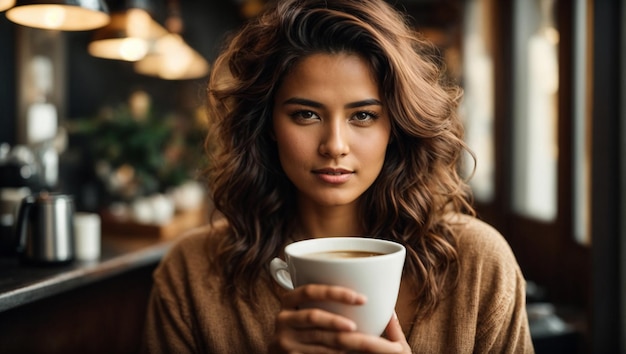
(377, 277)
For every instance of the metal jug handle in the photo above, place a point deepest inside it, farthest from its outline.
(22, 222)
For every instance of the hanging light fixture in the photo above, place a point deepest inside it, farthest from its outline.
(172, 58)
(6, 4)
(129, 36)
(63, 15)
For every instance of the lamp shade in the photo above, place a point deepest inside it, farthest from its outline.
(63, 15)
(173, 59)
(6, 4)
(129, 36)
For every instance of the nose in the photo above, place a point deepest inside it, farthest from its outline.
(335, 141)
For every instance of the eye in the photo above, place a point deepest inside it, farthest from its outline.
(304, 116)
(364, 117)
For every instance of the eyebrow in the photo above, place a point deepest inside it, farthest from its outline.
(310, 103)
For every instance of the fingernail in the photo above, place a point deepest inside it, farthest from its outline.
(359, 299)
(353, 326)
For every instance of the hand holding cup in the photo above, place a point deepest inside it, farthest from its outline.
(371, 267)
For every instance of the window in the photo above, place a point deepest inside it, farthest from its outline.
(535, 118)
(478, 103)
(522, 73)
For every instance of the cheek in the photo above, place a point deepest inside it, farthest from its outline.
(290, 152)
(292, 149)
(373, 147)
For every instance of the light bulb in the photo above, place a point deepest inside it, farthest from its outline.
(132, 49)
(54, 16)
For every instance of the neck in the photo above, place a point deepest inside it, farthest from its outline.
(316, 222)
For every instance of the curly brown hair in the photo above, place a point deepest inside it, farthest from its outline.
(419, 182)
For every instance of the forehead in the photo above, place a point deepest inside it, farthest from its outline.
(330, 72)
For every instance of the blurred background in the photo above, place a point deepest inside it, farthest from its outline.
(113, 113)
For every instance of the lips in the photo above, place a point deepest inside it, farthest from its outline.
(333, 175)
(332, 171)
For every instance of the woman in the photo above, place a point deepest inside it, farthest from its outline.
(329, 120)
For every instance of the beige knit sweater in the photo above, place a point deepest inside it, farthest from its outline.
(486, 313)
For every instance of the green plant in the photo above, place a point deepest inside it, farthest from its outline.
(139, 151)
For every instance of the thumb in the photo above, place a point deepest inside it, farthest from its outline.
(394, 332)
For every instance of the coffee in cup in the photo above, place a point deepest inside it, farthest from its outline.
(341, 254)
(369, 266)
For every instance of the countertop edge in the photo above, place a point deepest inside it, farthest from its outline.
(83, 274)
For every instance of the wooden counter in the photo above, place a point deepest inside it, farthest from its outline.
(21, 284)
(87, 307)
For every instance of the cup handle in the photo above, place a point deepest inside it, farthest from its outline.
(280, 273)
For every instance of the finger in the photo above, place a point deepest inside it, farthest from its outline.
(315, 318)
(394, 332)
(300, 332)
(356, 342)
(353, 342)
(303, 339)
(318, 292)
(291, 345)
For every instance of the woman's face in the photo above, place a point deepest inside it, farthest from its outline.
(331, 129)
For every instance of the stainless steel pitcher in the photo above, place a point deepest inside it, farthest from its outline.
(45, 228)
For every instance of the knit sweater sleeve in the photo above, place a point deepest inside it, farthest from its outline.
(485, 311)
(502, 323)
(504, 329)
(189, 312)
(167, 328)
(182, 292)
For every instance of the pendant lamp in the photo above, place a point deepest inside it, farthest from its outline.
(172, 58)
(6, 4)
(63, 15)
(129, 36)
